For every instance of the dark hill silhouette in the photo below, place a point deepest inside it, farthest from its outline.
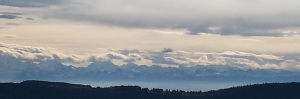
(59, 90)
(258, 91)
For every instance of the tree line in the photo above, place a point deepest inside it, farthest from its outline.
(60, 90)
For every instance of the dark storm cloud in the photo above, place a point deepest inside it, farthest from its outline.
(31, 3)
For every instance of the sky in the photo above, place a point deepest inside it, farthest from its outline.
(256, 33)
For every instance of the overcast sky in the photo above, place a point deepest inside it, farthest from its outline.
(80, 27)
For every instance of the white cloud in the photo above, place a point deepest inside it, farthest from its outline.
(252, 40)
(151, 57)
(37, 53)
(114, 55)
(263, 56)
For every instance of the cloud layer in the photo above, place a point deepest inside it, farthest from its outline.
(151, 57)
(233, 17)
(36, 54)
(8, 15)
(31, 3)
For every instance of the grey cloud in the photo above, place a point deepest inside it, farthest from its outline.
(197, 30)
(233, 18)
(236, 31)
(13, 15)
(166, 50)
(13, 24)
(6, 16)
(10, 15)
(94, 59)
(29, 19)
(9, 36)
(31, 3)
(247, 18)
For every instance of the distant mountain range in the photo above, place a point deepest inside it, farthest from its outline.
(13, 70)
(59, 90)
(19, 63)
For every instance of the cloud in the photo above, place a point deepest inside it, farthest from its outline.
(29, 19)
(245, 54)
(175, 58)
(13, 24)
(230, 58)
(36, 54)
(232, 17)
(252, 40)
(247, 32)
(6, 16)
(166, 50)
(114, 55)
(10, 15)
(31, 3)
(238, 59)
(197, 16)
(9, 36)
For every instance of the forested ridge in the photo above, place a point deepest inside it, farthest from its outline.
(59, 90)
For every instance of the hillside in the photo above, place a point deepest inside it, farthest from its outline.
(59, 90)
